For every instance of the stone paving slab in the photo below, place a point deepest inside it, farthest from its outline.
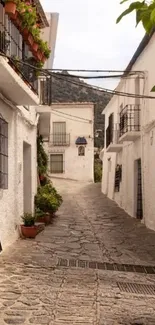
(89, 227)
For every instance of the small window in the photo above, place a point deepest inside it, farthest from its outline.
(3, 153)
(118, 177)
(81, 151)
(56, 163)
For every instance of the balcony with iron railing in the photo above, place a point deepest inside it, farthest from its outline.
(59, 140)
(130, 124)
(112, 139)
(19, 67)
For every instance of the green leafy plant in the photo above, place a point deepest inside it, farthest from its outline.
(43, 46)
(28, 219)
(145, 13)
(46, 202)
(39, 213)
(28, 14)
(36, 33)
(97, 171)
(47, 199)
(49, 189)
(42, 158)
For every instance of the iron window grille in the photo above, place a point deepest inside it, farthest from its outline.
(130, 119)
(118, 177)
(56, 164)
(3, 153)
(60, 139)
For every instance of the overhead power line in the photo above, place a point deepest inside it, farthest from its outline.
(80, 118)
(103, 90)
(47, 72)
(68, 118)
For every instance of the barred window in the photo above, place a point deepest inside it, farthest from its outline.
(118, 177)
(56, 163)
(3, 153)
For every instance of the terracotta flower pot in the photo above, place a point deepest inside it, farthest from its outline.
(25, 33)
(10, 8)
(43, 59)
(39, 55)
(35, 47)
(14, 16)
(29, 232)
(30, 40)
(45, 219)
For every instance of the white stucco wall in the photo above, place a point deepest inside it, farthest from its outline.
(143, 147)
(75, 167)
(11, 200)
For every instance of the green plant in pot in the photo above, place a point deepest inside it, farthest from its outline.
(28, 229)
(42, 217)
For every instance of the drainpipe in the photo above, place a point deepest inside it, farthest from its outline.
(144, 108)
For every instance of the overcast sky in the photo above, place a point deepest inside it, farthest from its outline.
(88, 37)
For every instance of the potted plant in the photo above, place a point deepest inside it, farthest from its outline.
(28, 229)
(10, 6)
(42, 217)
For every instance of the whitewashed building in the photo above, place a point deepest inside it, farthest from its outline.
(70, 146)
(19, 96)
(129, 153)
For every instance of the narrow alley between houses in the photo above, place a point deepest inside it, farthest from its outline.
(93, 265)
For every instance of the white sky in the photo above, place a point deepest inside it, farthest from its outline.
(88, 37)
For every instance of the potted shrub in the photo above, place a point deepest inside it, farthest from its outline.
(28, 229)
(47, 199)
(10, 6)
(42, 217)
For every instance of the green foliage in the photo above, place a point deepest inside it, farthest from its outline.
(47, 199)
(97, 171)
(28, 219)
(39, 213)
(145, 13)
(42, 158)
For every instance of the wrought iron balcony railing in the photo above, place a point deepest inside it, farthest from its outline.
(60, 139)
(13, 46)
(130, 119)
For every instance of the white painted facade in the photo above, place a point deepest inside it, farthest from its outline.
(135, 143)
(79, 122)
(16, 100)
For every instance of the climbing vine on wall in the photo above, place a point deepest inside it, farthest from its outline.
(42, 158)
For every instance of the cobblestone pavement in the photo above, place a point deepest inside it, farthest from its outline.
(88, 227)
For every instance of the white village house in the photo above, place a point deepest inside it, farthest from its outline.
(129, 152)
(68, 131)
(19, 96)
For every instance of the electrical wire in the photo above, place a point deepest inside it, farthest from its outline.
(80, 118)
(72, 119)
(98, 77)
(105, 90)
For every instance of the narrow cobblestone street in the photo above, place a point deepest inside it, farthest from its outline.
(65, 276)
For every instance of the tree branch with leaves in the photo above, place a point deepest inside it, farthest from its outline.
(145, 13)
